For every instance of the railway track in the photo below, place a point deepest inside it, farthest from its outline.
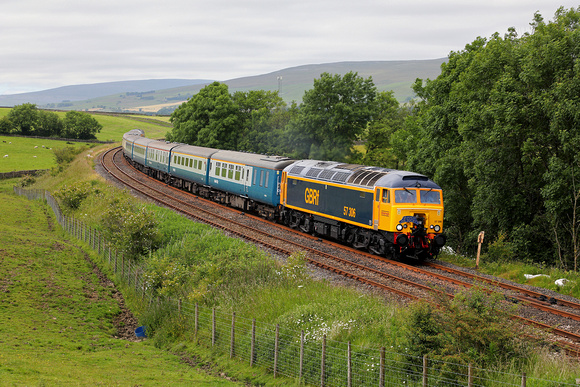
(356, 265)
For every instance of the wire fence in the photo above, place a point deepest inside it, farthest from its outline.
(281, 351)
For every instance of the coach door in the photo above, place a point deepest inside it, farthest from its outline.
(247, 178)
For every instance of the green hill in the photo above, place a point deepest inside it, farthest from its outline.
(397, 76)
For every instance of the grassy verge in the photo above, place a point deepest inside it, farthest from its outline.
(544, 277)
(56, 317)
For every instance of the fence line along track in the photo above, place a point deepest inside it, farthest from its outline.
(307, 356)
(147, 189)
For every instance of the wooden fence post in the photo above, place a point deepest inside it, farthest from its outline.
(196, 320)
(301, 354)
(470, 375)
(382, 368)
(425, 377)
(233, 335)
(276, 350)
(213, 326)
(322, 360)
(349, 366)
(253, 344)
(524, 379)
(479, 242)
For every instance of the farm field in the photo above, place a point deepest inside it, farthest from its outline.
(56, 315)
(29, 153)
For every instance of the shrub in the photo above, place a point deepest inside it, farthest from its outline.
(72, 197)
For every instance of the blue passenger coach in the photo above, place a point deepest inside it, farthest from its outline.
(250, 178)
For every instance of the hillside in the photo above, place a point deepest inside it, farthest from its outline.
(73, 93)
(151, 97)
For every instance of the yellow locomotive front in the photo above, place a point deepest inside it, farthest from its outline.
(411, 216)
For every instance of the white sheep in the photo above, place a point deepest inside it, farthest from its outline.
(36, 147)
(5, 156)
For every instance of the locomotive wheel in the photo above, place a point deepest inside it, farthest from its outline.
(294, 219)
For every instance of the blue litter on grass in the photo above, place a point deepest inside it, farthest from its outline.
(140, 332)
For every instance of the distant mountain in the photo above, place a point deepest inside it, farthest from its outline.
(163, 96)
(88, 91)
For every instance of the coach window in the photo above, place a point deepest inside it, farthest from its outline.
(255, 177)
(267, 178)
(217, 168)
(238, 172)
(261, 178)
(386, 196)
(224, 170)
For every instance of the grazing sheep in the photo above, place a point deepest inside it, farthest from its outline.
(5, 155)
(43, 146)
(36, 147)
(34, 156)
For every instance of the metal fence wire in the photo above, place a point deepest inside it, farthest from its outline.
(282, 351)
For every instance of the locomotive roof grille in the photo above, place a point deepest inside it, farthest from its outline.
(328, 174)
(341, 176)
(313, 172)
(296, 170)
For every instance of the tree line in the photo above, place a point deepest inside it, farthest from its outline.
(28, 120)
(498, 129)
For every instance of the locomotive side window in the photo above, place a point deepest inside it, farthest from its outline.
(386, 196)
(405, 196)
(430, 197)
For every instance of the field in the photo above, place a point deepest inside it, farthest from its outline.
(29, 153)
(56, 313)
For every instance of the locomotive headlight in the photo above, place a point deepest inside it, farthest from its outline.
(399, 227)
(431, 227)
(437, 228)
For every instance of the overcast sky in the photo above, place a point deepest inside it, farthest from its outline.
(52, 43)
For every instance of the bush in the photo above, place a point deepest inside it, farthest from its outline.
(471, 328)
(72, 197)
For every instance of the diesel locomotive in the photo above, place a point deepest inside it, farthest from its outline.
(388, 212)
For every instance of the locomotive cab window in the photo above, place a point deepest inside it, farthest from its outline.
(386, 196)
(405, 196)
(430, 197)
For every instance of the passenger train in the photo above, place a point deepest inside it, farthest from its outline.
(388, 212)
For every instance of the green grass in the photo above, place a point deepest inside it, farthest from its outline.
(28, 153)
(114, 126)
(56, 317)
(514, 271)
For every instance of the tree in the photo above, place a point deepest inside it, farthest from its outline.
(24, 118)
(80, 125)
(49, 124)
(264, 117)
(210, 119)
(5, 125)
(389, 118)
(332, 116)
(498, 131)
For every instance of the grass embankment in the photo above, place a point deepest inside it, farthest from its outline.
(56, 315)
(200, 264)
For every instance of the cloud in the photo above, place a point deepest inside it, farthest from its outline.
(54, 43)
